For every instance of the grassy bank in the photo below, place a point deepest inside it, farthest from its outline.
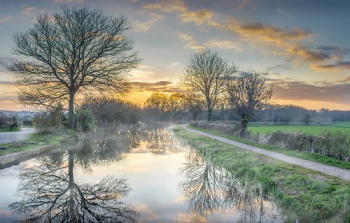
(303, 155)
(344, 127)
(304, 195)
(35, 137)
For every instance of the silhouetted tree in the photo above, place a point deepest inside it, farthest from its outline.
(50, 194)
(205, 75)
(78, 49)
(247, 93)
(193, 104)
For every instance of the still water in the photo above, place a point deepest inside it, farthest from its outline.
(129, 176)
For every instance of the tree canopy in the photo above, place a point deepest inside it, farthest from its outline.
(205, 75)
(72, 51)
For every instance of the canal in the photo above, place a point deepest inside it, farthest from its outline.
(131, 175)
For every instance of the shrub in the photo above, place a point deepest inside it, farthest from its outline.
(48, 122)
(85, 120)
(329, 143)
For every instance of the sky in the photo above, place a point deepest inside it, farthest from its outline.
(303, 45)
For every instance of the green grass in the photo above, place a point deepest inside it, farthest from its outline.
(309, 195)
(35, 137)
(301, 128)
(303, 155)
(16, 129)
(340, 124)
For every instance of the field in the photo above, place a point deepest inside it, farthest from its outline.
(312, 129)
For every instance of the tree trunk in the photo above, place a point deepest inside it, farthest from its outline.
(71, 110)
(244, 124)
(210, 114)
(71, 186)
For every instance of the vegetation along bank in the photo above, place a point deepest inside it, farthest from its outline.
(303, 195)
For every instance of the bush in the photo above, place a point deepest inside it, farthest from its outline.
(48, 122)
(329, 143)
(85, 120)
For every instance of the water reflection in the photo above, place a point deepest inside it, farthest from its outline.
(208, 189)
(48, 192)
(160, 140)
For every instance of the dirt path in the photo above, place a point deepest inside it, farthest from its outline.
(329, 170)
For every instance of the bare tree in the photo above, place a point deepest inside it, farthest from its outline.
(248, 93)
(205, 74)
(49, 192)
(78, 49)
(193, 104)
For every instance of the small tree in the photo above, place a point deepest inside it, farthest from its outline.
(75, 50)
(247, 93)
(205, 75)
(193, 104)
(307, 119)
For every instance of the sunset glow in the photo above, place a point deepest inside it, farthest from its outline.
(303, 46)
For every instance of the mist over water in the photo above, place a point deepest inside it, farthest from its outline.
(129, 175)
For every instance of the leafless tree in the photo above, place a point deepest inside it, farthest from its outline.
(50, 194)
(193, 104)
(71, 51)
(205, 74)
(247, 93)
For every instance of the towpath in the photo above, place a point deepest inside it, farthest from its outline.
(329, 170)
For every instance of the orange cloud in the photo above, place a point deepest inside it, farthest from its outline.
(190, 41)
(341, 65)
(144, 26)
(264, 33)
(197, 17)
(310, 55)
(223, 44)
(168, 6)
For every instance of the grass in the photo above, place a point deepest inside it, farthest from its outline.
(35, 137)
(303, 155)
(303, 195)
(340, 124)
(16, 129)
(301, 128)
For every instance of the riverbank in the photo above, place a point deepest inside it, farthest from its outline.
(36, 144)
(319, 158)
(303, 195)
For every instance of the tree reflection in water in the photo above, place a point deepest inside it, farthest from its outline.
(160, 140)
(207, 189)
(49, 193)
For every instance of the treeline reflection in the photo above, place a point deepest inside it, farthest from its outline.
(208, 188)
(48, 191)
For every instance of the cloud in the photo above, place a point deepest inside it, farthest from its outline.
(145, 26)
(190, 41)
(197, 17)
(6, 19)
(269, 34)
(28, 10)
(295, 90)
(168, 6)
(223, 44)
(341, 65)
(279, 66)
(309, 54)
(161, 86)
(69, 1)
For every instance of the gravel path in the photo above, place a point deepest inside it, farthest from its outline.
(7, 137)
(329, 170)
